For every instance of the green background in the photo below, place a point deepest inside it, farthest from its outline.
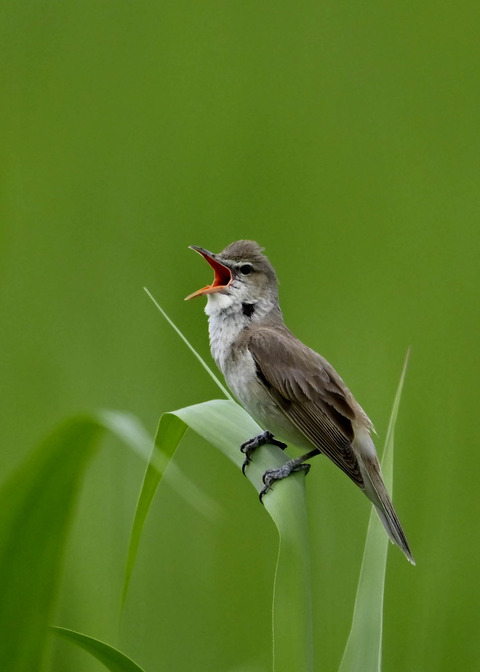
(345, 139)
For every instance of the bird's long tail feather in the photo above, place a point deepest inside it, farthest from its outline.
(377, 493)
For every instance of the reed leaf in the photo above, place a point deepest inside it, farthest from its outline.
(363, 651)
(111, 658)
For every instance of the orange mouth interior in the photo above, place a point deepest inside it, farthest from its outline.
(221, 280)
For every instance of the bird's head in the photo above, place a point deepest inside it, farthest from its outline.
(244, 279)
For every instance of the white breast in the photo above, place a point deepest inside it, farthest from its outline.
(225, 322)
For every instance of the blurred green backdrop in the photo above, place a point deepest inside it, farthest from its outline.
(345, 139)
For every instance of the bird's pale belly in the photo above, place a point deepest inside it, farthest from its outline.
(242, 380)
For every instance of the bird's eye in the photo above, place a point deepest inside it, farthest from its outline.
(245, 269)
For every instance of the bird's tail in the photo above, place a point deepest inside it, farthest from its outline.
(377, 493)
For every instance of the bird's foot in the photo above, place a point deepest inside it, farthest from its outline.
(273, 475)
(252, 444)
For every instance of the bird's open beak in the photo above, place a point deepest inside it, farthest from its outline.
(223, 275)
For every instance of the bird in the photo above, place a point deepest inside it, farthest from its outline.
(288, 388)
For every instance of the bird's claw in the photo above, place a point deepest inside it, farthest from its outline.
(252, 444)
(245, 464)
(275, 442)
(263, 492)
(273, 475)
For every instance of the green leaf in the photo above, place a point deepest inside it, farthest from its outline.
(131, 432)
(363, 652)
(37, 505)
(113, 659)
(226, 426)
(169, 433)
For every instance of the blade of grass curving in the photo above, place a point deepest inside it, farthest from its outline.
(363, 652)
(169, 434)
(130, 431)
(226, 426)
(114, 660)
(190, 347)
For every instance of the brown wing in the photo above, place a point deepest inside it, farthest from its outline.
(310, 393)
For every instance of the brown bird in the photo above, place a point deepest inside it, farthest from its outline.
(285, 385)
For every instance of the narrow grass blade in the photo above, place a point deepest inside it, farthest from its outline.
(169, 434)
(226, 426)
(130, 431)
(191, 348)
(292, 603)
(114, 660)
(37, 504)
(363, 652)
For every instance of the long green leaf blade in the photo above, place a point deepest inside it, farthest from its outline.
(363, 652)
(130, 431)
(226, 426)
(169, 434)
(114, 660)
(37, 505)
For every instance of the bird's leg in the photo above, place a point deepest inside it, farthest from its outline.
(252, 444)
(297, 464)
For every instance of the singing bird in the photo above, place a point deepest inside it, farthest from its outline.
(288, 388)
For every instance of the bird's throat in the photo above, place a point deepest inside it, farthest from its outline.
(224, 327)
(228, 318)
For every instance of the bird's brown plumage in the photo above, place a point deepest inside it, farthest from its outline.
(310, 393)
